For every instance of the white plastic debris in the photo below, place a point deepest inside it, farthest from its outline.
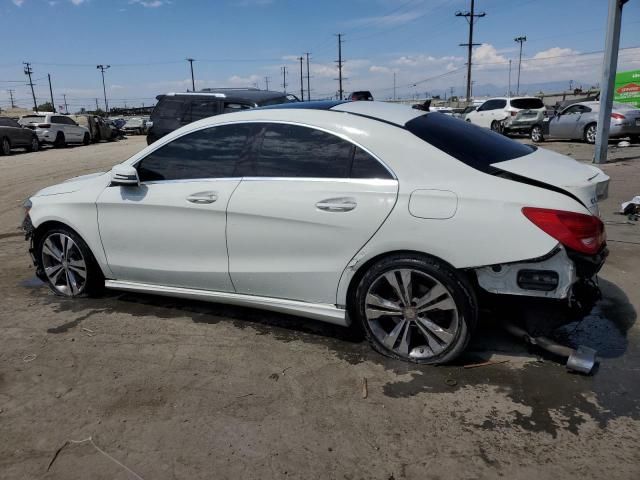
(624, 143)
(635, 200)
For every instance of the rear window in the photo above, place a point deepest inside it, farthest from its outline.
(32, 119)
(168, 108)
(475, 146)
(527, 103)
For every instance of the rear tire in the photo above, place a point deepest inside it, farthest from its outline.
(536, 134)
(60, 141)
(589, 134)
(496, 126)
(86, 140)
(394, 297)
(34, 146)
(635, 139)
(67, 264)
(5, 146)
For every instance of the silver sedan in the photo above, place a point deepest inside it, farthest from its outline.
(578, 121)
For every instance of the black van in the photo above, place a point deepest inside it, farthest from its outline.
(174, 110)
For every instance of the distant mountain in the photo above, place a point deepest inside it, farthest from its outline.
(492, 90)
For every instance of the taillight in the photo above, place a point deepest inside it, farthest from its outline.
(577, 231)
(43, 125)
(618, 116)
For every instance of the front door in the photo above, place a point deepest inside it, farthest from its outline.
(308, 204)
(565, 125)
(170, 230)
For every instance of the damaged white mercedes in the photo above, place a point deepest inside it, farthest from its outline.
(338, 211)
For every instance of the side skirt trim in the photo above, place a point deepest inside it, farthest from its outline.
(317, 311)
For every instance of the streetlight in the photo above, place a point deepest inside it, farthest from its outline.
(102, 68)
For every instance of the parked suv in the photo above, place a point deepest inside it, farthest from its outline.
(177, 109)
(58, 130)
(14, 135)
(508, 115)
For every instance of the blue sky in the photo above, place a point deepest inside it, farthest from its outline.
(239, 42)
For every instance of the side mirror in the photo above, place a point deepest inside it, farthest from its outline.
(124, 176)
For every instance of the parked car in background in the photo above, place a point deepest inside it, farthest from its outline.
(135, 126)
(14, 135)
(389, 216)
(97, 126)
(58, 130)
(174, 110)
(579, 121)
(508, 114)
(361, 95)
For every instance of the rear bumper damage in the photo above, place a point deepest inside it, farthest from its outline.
(552, 276)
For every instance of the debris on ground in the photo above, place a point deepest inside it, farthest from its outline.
(29, 358)
(365, 388)
(485, 364)
(624, 143)
(632, 207)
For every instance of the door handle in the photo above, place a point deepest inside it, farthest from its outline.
(342, 204)
(203, 197)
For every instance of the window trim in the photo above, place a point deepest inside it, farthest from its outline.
(256, 139)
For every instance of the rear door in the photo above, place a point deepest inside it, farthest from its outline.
(200, 108)
(307, 203)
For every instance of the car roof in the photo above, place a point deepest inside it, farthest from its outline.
(386, 112)
(231, 94)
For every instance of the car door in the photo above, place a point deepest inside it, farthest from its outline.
(476, 116)
(170, 230)
(565, 124)
(302, 211)
(495, 111)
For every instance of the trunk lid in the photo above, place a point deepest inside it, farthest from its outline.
(585, 182)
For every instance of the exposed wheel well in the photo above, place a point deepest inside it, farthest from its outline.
(362, 269)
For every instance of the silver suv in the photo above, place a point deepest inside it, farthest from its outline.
(58, 130)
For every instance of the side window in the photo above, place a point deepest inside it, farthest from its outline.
(204, 108)
(572, 109)
(500, 104)
(294, 151)
(57, 119)
(9, 122)
(483, 107)
(365, 166)
(209, 153)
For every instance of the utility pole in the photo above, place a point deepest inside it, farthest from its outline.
(509, 92)
(102, 68)
(301, 82)
(339, 62)
(51, 93)
(28, 71)
(266, 81)
(193, 81)
(97, 107)
(13, 105)
(308, 83)
(284, 79)
(520, 40)
(612, 43)
(66, 107)
(470, 17)
(394, 86)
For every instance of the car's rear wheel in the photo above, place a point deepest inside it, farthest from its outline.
(5, 146)
(416, 308)
(60, 141)
(86, 140)
(68, 264)
(536, 134)
(34, 146)
(635, 139)
(590, 133)
(496, 126)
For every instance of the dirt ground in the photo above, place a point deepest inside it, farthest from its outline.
(176, 389)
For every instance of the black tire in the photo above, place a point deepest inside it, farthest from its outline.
(97, 138)
(536, 134)
(587, 135)
(94, 283)
(457, 288)
(496, 126)
(86, 140)
(60, 141)
(635, 139)
(5, 146)
(34, 146)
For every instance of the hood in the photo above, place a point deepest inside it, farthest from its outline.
(585, 182)
(72, 185)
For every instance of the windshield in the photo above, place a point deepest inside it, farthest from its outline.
(475, 146)
(31, 119)
(527, 103)
(134, 121)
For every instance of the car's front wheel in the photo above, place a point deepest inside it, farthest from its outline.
(5, 146)
(590, 133)
(67, 263)
(34, 146)
(416, 308)
(536, 134)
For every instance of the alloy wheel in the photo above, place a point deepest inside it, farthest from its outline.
(591, 134)
(536, 134)
(64, 264)
(412, 313)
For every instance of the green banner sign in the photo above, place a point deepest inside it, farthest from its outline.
(627, 88)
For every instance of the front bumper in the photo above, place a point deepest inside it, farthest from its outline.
(552, 276)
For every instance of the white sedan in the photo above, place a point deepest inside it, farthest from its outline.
(337, 211)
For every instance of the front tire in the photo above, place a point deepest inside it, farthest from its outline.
(589, 135)
(67, 264)
(34, 146)
(5, 146)
(536, 134)
(416, 308)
